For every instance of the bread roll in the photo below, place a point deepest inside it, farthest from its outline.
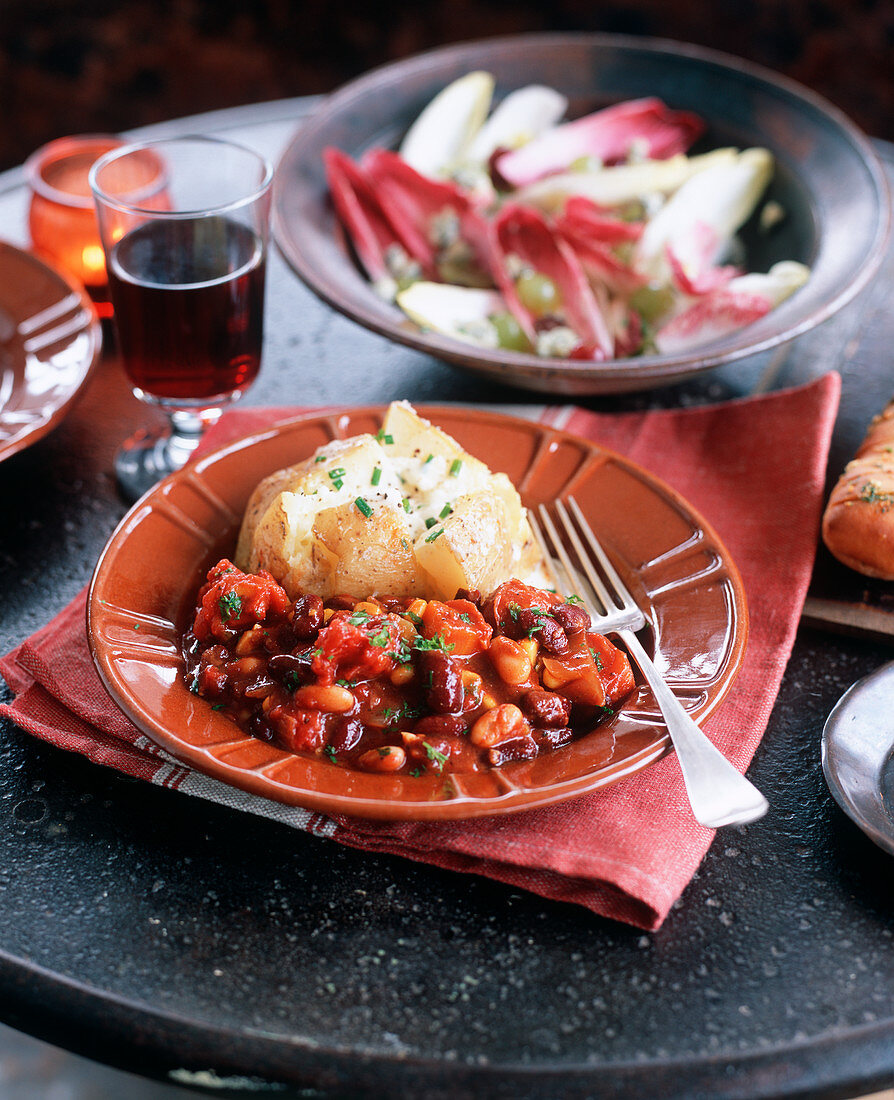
(858, 524)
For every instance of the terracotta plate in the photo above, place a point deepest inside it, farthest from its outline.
(144, 586)
(50, 339)
(828, 180)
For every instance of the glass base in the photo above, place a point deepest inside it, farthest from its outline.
(152, 454)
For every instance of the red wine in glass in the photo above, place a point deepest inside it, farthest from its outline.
(189, 303)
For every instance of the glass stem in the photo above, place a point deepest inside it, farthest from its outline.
(188, 428)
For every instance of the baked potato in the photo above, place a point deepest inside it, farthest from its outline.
(407, 512)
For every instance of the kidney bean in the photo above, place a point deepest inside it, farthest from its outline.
(258, 727)
(472, 595)
(340, 603)
(259, 688)
(533, 623)
(440, 725)
(519, 748)
(545, 708)
(290, 669)
(553, 738)
(441, 681)
(573, 618)
(347, 733)
(307, 617)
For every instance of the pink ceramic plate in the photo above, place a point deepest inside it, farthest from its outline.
(50, 339)
(144, 587)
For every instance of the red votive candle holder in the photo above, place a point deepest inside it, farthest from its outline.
(62, 216)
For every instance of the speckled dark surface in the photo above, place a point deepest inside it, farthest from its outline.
(162, 934)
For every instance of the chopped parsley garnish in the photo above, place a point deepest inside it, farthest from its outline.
(346, 683)
(437, 642)
(434, 535)
(573, 598)
(380, 638)
(363, 507)
(416, 772)
(430, 522)
(415, 619)
(597, 657)
(465, 618)
(230, 606)
(376, 476)
(385, 750)
(358, 618)
(435, 755)
(455, 466)
(217, 706)
(445, 511)
(330, 752)
(291, 680)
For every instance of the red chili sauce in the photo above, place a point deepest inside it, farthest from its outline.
(402, 685)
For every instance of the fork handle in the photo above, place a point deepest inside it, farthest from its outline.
(718, 793)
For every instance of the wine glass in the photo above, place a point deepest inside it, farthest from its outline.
(186, 258)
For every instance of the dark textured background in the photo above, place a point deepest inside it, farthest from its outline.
(73, 66)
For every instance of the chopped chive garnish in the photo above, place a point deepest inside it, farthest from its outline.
(430, 522)
(446, 510)
(363, 507)
(376, 475)
(430, 457)
(455, 466)
(382, 438)
(406, 504)
(434, 535)
(337, 484)
(336, 473)
(320, 458)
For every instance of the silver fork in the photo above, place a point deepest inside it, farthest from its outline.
(718, 794)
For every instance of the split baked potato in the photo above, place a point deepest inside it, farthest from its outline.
(405, 512)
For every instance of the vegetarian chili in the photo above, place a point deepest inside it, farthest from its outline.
(402, 685)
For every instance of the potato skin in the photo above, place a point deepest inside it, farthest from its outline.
(858, 523)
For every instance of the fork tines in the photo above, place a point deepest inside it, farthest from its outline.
(583, 578)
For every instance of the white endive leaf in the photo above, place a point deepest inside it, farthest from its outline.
(521, 116)
(440, 136)
(777, 284)
(721, 197)
(622, 183)
(457, 311)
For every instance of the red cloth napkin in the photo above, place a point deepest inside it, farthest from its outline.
(754, 468)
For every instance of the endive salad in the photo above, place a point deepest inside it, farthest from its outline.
(599, 238)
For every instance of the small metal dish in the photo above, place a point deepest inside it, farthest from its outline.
(858, 755)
